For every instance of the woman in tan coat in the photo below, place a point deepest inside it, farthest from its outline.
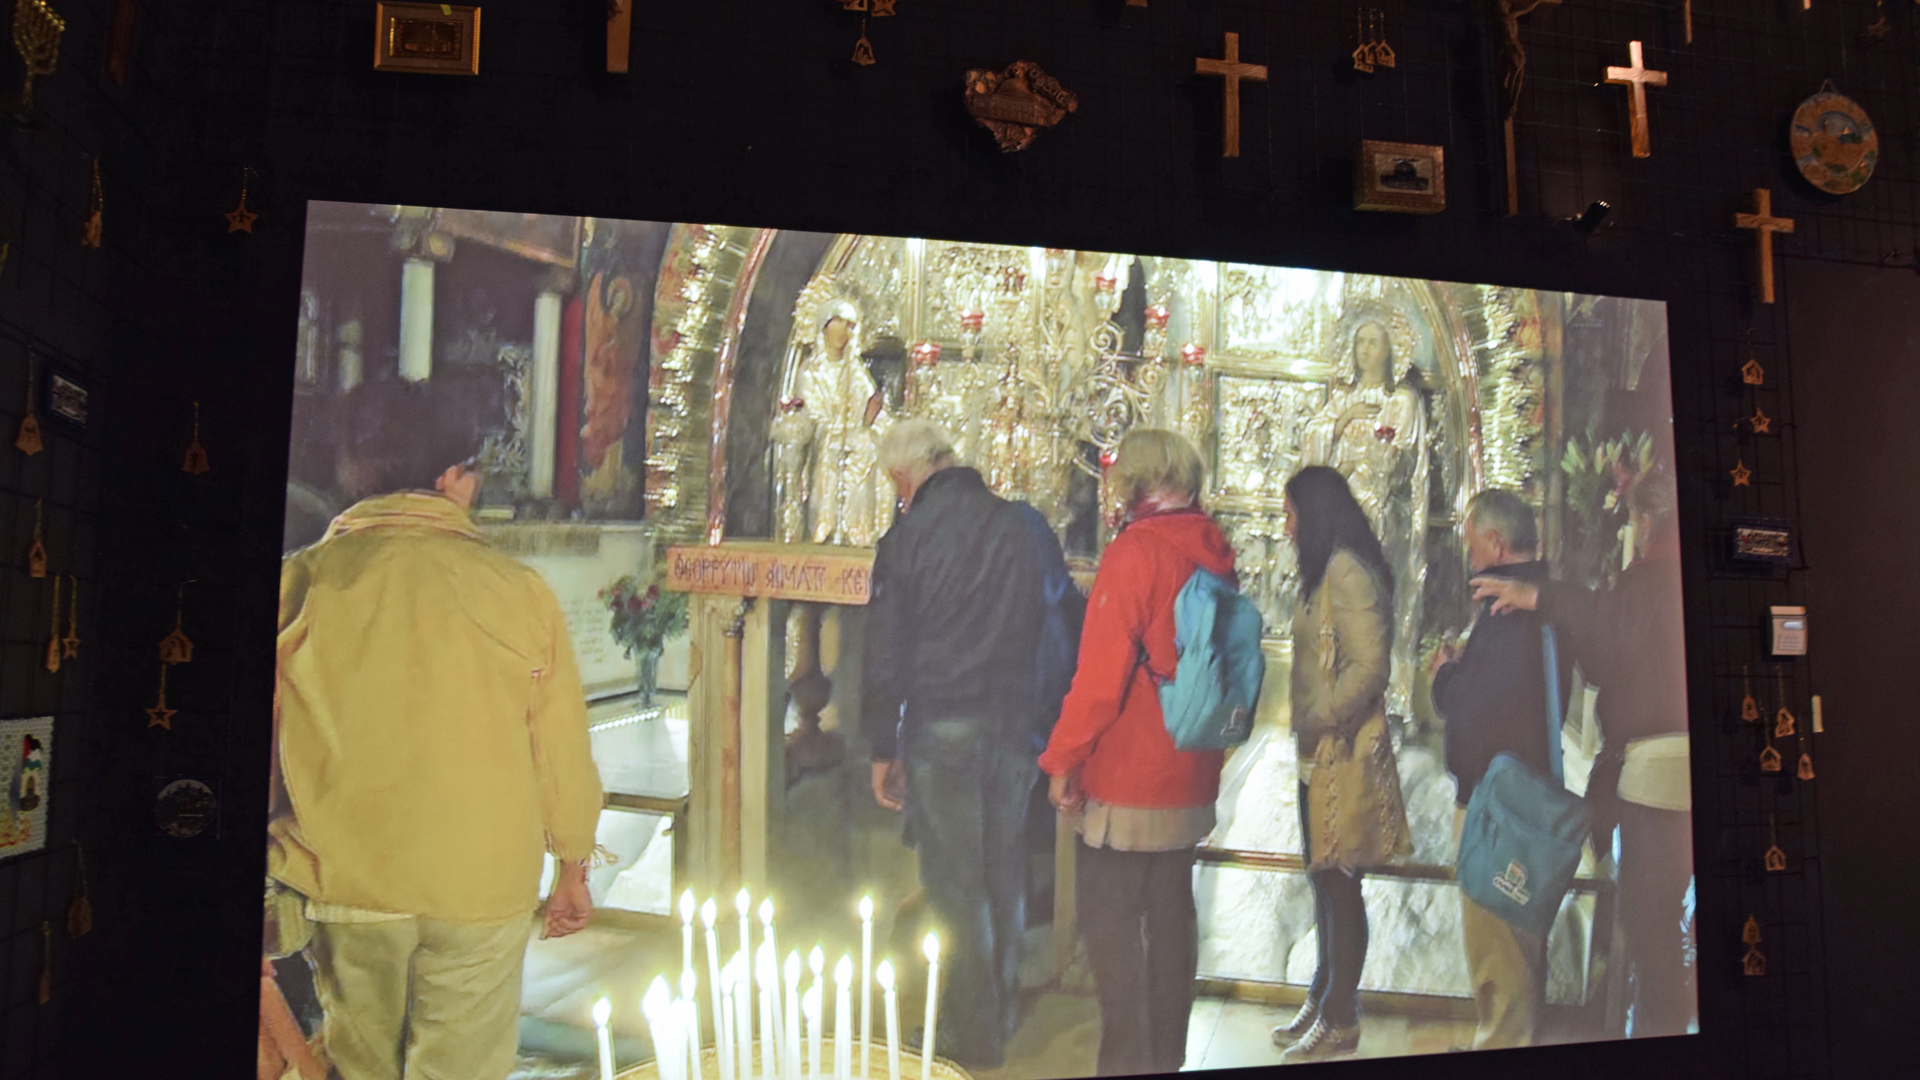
(1352, 816)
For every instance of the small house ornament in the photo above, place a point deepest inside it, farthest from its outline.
(1749, 708)
(863, 49)
(1805, 770)
(1750, 933)
(1769, 759)
(1776, 859)
(177, 648)
(1754, 963)
(1018, 103)
(1752, 373)
(37, 553)
(196, 459)
(1783, 723)
(28, 439)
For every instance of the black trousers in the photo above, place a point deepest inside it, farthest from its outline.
(1340, 929)
(1656, 867)
(968, 784)
(1135, 910)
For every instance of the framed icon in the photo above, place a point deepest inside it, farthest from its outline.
(426, 39)
(65, 397)
(1403, 178)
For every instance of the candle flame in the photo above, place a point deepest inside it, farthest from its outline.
(742, 902)
(866, 908)
(843, 971)
(816, 960)
(793, 968)
(810, 1004)
(931, 946)
(686, 906)
(884, 974)
(602, 1012)
(709, 912)
(658, 998)
(766, 912)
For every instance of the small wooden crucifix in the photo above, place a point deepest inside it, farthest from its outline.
(1637, 78)
(1764, 225)
(1513, 58)
(1232, 71)
(619, 34)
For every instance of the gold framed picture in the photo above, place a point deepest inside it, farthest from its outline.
(427, 39)
(1404, 178)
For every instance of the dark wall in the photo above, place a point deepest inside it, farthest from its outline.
(747, 112)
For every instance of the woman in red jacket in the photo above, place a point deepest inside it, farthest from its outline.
(1144, 806)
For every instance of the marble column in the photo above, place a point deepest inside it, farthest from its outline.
(416, 320)
(543, 395)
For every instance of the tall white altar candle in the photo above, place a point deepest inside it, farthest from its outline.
(810, 1008)
(884, 973)
(767, 972)
(722, 1046)
(686, 930)
(657, 1006)
(603, 1012)
(690, 1005)
(791, 1032)
(866, 980)
(843, 1018)
(931, 946)
(742, 982)
(773, 1050)
(743, 903)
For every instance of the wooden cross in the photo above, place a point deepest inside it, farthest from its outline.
(1637, 78)
(1513, 57)
(1232, 71)
(1764, 225)
(619, 34)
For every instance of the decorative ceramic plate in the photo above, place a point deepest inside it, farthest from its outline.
(1834, 142)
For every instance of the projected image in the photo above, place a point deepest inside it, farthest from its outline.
(722, 653)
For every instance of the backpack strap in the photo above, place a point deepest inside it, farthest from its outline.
(1550, 653)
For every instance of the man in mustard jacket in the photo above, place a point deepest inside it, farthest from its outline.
(431, 742)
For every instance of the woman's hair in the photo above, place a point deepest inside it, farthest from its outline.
(1152, 459)
(913, 443)
(1652, 496)
(1327, 519)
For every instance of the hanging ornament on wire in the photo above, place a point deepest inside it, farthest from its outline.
(176, 647)
(240, 219)
(28, 439)
(70, 645)
(1749, 708)
(1775, 858)
(1742, 476)
(196, 459)
(1769, 757)
(1754, 962)
(96, 209)
(53, 635)
(1783, 722)
(160, 715)
(37, 553)
(863, 49)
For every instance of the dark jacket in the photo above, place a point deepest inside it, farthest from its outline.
(1630, 643)
(954, 616)
(1494, 697)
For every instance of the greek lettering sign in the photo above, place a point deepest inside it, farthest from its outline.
(828, 575)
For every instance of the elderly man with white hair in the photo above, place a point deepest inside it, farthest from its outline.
(949, 707)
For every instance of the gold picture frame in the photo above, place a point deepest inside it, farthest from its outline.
(1403, 178)
(426, 39)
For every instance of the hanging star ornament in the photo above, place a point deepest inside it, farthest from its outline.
(1762, 423)
(1742, 476)
(241, 219)
(160, 715)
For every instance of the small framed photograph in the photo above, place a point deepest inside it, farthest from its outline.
(428, 39)
(1767, 542)
(186, 807)
(1402, 178)
(26, 784)
(65, 397)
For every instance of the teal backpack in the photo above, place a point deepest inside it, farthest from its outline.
(1210, 701)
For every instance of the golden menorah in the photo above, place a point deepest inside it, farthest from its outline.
(37, 30)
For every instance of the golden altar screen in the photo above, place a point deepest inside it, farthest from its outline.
(663, 413)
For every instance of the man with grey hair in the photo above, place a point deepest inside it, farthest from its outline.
(947, 704)
(1492, 696)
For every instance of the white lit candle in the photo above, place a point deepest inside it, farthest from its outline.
(866, 980)
(657, 1006)
(767, 972)
(689, 1004)
(773, 1051)
(741, 981)
(686, 930)
(743, 903)
(810, 1008)
(791, 1019)
(722, 1047)
(603, 1012)
(884, 973)
(931, 946)
(843, 1018)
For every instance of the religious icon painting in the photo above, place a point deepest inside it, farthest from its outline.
(65, 397)
(1404, 178)
(26, 774)
(426, 39)
(187, 807)
(1833, 142)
